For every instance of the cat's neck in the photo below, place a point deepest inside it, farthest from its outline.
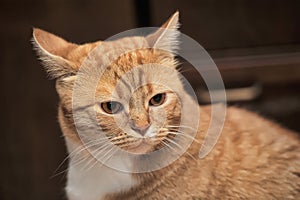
(94, 181)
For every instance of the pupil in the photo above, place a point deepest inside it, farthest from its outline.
(157, 98)
(111, 105)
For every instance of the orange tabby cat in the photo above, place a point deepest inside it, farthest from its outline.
(253, 158)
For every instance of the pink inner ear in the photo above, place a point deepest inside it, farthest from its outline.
(51, 43)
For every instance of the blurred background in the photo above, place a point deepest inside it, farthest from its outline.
(255, 44)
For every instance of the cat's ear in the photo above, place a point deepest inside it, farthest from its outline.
(167, 36)
(53, 51)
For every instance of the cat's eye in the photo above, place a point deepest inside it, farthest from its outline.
(111, 107)
(157, 99)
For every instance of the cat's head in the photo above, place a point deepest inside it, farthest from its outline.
(135, 104)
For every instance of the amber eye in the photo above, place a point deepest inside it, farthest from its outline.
(157, 99)
(111, 107)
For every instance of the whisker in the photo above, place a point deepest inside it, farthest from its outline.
(102, 157)
(181, 126)
(185, 135)
(89, 145)
(76, 152)
(130, 139)
(95, 153)
(59, 173)
(109, 156)
(160, 135)
(179, 146)
(64, 160)
(73, 164)
(172, 148)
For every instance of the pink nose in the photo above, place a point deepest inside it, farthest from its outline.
(141, 129)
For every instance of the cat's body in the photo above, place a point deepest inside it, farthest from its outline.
(253, 158)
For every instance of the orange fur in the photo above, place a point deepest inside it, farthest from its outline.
(254, 157)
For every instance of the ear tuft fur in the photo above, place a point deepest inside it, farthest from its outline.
(167, 37)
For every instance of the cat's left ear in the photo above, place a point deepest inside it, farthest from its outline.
(167, 36)
(54, 53)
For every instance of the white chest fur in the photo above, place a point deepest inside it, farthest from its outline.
(96, 182)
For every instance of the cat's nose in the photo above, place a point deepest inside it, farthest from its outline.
(141, 129)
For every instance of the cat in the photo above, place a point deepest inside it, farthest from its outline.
(254, 158)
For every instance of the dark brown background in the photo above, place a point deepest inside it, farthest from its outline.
(236, 33)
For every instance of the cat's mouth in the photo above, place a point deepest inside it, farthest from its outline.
(141, 146)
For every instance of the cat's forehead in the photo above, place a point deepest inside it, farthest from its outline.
(136, 62)
(135, 66)
(136, 81)
(128, 52)
(124, 80)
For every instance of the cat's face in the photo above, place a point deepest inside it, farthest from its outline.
(136, 105)
(136, 110)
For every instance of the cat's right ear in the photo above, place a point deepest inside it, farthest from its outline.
(53, 52)
(167, 36)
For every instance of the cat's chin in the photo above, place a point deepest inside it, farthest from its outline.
(141, 147)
